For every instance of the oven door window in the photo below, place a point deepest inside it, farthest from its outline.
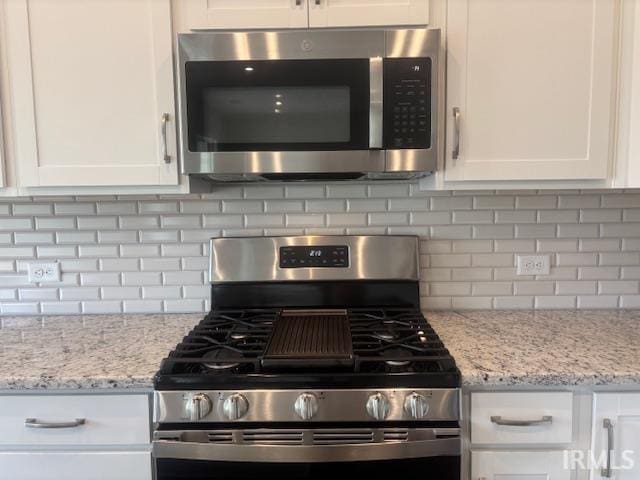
(431, 468)
(277, 105)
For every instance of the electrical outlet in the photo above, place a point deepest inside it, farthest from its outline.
(534, 265)
(44, 272)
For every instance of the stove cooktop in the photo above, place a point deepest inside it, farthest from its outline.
(337, 348)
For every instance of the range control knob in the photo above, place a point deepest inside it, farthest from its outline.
(198, 406)
(235, 406)
(306, 406)
(416, 405)
(378, 406)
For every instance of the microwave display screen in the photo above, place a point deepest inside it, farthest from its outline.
(246, 115)
(277, 105)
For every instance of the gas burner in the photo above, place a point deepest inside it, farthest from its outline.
(218, 360)
(387, 336)
(239, 335)
(396, 352)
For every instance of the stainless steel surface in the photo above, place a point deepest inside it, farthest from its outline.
(416, 405)
(374, 164)
(334, 405)
(197, 406)
(306, 406)
(378, 406)
(34, 423)
(255, 259)
(375, 103)
(235, 406)
(295, 446)
(455, 153)
(254, 164)
(607, 471)
(163, 133)
(498, 420)
(411, 160)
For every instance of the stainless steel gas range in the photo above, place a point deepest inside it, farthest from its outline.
(314, 360)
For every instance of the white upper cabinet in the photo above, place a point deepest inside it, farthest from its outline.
(628, 153)
(616, 436)
(91, 87)
(363, 13)
(2, 164)
(273, 14)
(531, 84)
(244, 14)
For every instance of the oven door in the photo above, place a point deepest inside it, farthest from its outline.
(428, 454)
(248, 110)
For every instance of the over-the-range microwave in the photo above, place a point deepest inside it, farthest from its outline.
(309, 105)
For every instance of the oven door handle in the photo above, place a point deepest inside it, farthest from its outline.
(180, 450)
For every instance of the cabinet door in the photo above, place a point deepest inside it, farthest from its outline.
(2, 165)
(363, 13)
(245, 14)
(618, 415)
(539, 465)
(75, 466)
(628, 152)
(90, 84)
(532, 83)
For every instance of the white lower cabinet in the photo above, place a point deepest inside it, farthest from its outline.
(518, 465)
(616, 436)
(75, 466)
(73, 437)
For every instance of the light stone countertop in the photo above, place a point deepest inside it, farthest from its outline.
(493, 348)
(543, 348)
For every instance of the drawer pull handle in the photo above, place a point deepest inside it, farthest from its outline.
(606, 472)
(547, 419)
(34, 423)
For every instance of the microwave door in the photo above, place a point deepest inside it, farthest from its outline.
(284, 116)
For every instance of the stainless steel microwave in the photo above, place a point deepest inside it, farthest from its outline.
(309, 105)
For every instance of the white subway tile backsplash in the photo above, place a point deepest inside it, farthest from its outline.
(148, 254)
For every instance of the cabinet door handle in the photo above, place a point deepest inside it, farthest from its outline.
(298, 3)
(455, 154)
(34, 423)
(163, 132)
(318, 2)
(606, 471)
(522, 423)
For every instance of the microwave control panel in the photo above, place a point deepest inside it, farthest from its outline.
(407, 103)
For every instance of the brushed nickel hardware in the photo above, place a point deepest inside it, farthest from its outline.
(547, 419)
(607, 470)
(455, 154)
(165, 152)
(34, 423)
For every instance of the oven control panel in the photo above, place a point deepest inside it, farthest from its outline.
(407, 103)
(306, 256)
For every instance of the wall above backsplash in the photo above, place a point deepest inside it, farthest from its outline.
(149, 254)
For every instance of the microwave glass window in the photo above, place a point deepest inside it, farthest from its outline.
(260, 115)
(278, 105)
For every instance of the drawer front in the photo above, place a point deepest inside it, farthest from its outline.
(521, 418)
(540, 465)
(108, 419)
(75, 466)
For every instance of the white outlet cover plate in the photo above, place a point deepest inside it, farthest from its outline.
(534, 265)
(44, 272)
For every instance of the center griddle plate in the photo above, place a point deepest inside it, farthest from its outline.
(303, 338)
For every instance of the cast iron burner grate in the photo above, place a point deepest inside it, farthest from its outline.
(306, 338)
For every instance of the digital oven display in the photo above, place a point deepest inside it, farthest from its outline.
(330, 256)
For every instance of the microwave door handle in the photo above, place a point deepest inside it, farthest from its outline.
(375, 103)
